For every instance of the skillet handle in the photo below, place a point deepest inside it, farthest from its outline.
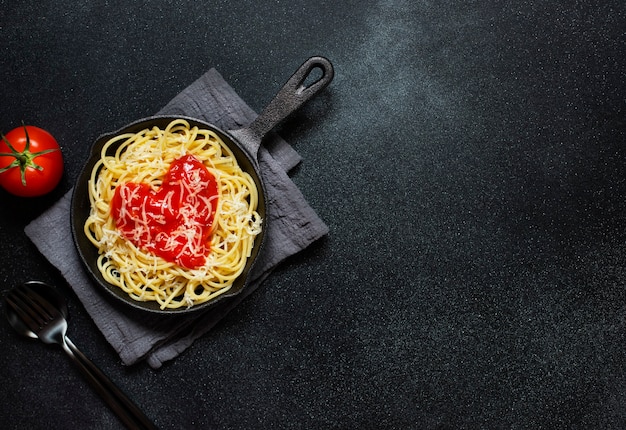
(292, 95)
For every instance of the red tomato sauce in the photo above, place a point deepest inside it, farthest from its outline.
(174, 221)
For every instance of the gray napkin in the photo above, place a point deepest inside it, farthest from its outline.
(291, 227)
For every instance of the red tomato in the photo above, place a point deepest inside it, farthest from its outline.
(31, 162)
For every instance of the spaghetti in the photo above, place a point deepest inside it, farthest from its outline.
(173, 215)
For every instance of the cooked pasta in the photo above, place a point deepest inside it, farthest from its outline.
(125, 236)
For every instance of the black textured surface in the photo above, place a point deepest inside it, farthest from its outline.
(468, 158)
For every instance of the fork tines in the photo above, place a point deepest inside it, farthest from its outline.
(31, 307)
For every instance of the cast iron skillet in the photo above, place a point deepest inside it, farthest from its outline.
(289, 98)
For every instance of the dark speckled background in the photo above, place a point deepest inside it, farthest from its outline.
(468, 158)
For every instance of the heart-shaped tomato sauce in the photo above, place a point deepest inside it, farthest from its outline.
(173, 221)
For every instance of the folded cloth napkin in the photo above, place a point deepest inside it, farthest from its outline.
(291, 227)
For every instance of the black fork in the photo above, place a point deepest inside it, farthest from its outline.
(31, 312)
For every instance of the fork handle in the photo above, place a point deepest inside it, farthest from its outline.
(125, 409)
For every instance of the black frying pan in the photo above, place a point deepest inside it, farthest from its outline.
(290, 97)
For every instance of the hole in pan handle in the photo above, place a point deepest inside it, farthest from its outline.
(293, 95)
